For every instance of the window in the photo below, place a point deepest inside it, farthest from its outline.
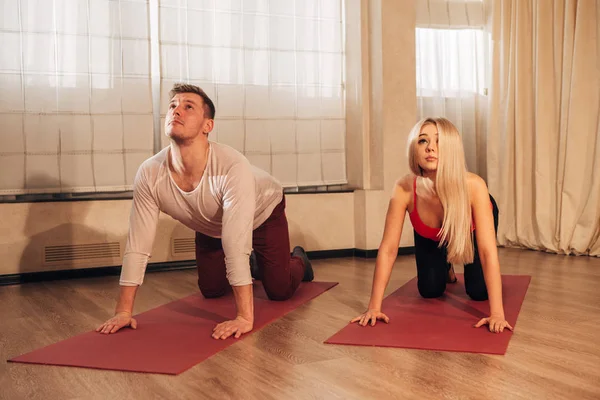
(75, 105)
(453, 68)
(275, 70)
(451, 62)
(77, 101)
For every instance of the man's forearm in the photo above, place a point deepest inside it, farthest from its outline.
(244, 302)
(126, 299)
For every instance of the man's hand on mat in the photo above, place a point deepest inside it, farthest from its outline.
(371, 317)
(120, 320)
(238, 326)
(495, 324)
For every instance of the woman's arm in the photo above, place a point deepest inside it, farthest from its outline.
(388, 250)
(488, 252)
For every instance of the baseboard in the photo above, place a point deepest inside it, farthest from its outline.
(338, 253)
(43, 276)
(402, 251)
(360, 253)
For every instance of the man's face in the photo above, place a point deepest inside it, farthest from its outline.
(185, 118)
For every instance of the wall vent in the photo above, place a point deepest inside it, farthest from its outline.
(81, 252)
(183, 246)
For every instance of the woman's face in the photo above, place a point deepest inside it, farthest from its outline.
(427, 148)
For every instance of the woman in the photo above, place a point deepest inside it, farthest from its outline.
(454, 220)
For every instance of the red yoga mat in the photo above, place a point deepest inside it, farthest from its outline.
(442, 324)
(171, 338)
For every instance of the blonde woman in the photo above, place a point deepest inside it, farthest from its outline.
(454, 220)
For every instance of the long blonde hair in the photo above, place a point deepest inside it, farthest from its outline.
(450, 186)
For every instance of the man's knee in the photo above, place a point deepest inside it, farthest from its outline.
(278, 295)
(277, 292)
(212, 293)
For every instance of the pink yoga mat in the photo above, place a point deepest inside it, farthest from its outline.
(171, 338)
(442, 324)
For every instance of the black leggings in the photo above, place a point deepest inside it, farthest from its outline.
(432, 267)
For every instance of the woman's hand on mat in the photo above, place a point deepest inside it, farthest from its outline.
(496, 324)
(371, 317)
(237, 326)
(120, 320)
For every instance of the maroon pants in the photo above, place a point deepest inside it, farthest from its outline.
(281, 274)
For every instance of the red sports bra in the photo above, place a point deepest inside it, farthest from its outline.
(419, 226)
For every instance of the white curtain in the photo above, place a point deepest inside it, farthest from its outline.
(453, 70)
(81, 82)
(544, 133)
(275, 70)
(75, 99)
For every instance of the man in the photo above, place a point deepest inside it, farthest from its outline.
(232, 206)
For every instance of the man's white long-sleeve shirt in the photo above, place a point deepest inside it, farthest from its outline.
(232, 199)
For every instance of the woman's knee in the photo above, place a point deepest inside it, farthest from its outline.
(477, 294)
(431, 292)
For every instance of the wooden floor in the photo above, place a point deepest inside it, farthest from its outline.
(554, 353)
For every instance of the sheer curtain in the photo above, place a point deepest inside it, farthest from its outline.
(275, 72)
(75, 103)
(82, 80)
(453, 70)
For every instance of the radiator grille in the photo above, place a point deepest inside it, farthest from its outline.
(183, 246)
(76, 252)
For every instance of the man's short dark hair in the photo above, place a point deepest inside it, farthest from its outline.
(209, 106)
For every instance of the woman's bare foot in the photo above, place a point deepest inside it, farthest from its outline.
(451, 275)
